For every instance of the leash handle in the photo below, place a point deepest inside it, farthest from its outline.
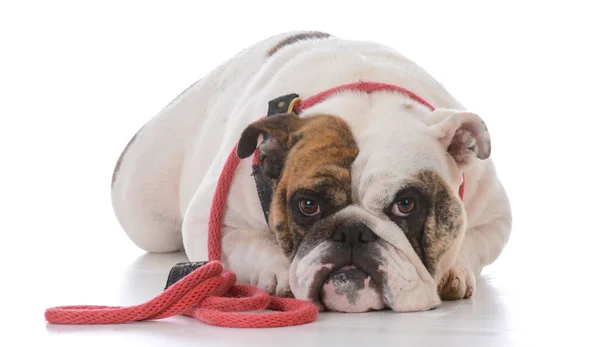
(207, 294)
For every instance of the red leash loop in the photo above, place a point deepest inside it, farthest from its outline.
(209, 293)
(198, 295)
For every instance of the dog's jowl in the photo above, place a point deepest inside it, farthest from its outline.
(384, 192)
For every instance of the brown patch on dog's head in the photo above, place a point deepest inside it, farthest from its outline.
(310, 35)
(436, 224)
(307, 159)
(445, 221)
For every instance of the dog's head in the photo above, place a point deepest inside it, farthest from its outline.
(367, 210)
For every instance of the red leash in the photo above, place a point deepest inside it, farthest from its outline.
(209, 293)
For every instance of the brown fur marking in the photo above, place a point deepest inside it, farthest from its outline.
(320, 158)
(458, 283)
(443, 221)
(311, 35)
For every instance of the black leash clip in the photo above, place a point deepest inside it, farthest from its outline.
(180, 270)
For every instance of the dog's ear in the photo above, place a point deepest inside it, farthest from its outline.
(464, 135)
(277, 132)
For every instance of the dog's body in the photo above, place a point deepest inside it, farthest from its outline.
(165, 179)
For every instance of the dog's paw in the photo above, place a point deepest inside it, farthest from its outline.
(458, 283)
(274, 282)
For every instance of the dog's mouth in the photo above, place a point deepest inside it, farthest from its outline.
(347, 288)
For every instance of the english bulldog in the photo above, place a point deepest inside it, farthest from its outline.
(377, 201)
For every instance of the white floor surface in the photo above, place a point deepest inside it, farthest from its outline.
(77, 80)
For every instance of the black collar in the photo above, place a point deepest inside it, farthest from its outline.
(264, 187)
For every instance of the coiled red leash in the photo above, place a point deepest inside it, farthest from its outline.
(209, 293)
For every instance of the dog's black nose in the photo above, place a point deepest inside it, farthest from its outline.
(353, 234)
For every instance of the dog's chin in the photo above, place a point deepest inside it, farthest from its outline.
(348, 289)
(333, 281)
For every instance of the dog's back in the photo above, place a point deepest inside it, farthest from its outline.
(178, 155)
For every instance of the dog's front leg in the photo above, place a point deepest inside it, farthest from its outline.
(256, 259)
(252, 254)
(482, 245)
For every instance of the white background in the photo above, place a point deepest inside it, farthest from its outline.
(79, 78)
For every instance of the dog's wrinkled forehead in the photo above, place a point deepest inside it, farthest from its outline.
(396, 143)
(395, 138)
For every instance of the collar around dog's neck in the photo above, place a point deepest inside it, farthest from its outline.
(292, 103)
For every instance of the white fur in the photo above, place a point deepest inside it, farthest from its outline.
(163, 190)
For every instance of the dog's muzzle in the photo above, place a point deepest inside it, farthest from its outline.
(351, 288)
(357, 270)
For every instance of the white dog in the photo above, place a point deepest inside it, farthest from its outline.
(363, 206)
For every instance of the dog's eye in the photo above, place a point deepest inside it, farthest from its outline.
(309, 207)
(403, 207)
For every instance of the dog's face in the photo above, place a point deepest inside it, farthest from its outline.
(368, 215)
